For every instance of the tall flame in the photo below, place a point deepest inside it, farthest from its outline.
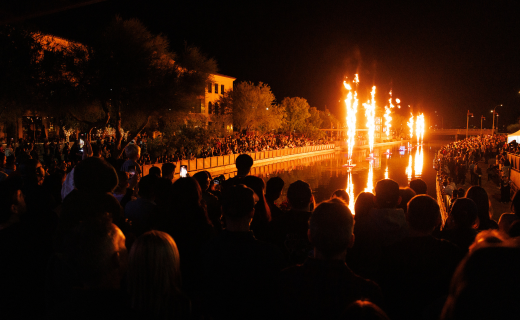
(410, 125)
(350, 192)
(388, 118)
(352, 103)
(419, 128)
(370, 109)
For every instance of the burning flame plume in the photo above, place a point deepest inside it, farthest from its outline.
(388, 118)
(410, 125)
(418, 162)
(370, 178)
(419, 128)
(370, 109)
(352, 103)
(350, 192)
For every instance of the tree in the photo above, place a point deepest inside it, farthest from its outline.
(130, 76)
(296, 112)
(252, 107)
(313, 124)
(19, 72)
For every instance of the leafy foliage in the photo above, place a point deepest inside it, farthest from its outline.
(296, 112)
(252, 107)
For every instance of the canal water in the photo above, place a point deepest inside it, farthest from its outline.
(326, 172)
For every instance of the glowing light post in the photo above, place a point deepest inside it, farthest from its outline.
(370, 108)
(467, 122)
(351, 103)
(493, 131)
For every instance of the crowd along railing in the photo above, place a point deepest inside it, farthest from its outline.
(198, 164)
(443, 200)
(515, 170)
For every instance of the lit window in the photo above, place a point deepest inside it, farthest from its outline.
(209, 87)
(216, 88)
(222, 89)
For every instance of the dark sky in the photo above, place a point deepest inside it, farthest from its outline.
(437, 57)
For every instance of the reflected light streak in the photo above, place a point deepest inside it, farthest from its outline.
(350, 192)
(418, 162)
(370, 178)
(409, 168)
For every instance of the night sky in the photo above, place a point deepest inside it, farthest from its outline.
(437, 57)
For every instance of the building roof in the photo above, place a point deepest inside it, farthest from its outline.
(222, 75)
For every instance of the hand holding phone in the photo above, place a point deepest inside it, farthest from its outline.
(184, 171)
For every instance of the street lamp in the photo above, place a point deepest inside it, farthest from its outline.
(497, 124)
(467, 122)
(493, 132)
(481, 118)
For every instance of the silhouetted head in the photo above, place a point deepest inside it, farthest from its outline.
(273, 189)
(243, 163)
(419, 186)
(299, 195)
(341, 194)
(406, 195)
(423, 213)
(387, 194)
(331, 227)
(238, 202)
(464, 213)
(95, 175)
(365, 201)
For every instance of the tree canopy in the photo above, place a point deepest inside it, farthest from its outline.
(253, 107)
(296, 112)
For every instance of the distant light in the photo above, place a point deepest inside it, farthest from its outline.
(266, 108)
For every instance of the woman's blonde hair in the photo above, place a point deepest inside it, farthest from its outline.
(154, 278)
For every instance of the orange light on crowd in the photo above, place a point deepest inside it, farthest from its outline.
(370, 109)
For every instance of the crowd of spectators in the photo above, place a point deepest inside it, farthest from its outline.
(456, 159)
(243, 143)
(99, 241)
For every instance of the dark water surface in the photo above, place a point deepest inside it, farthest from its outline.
(325, 173)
